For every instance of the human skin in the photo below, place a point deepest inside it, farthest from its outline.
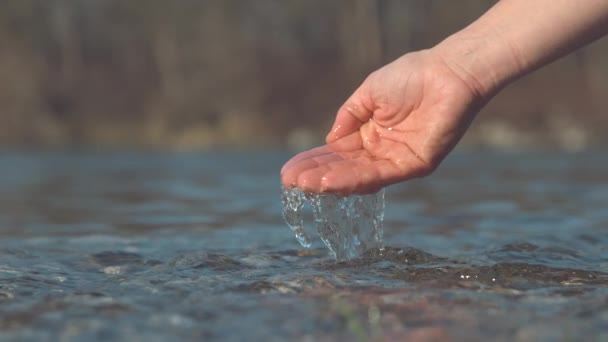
(407, 116)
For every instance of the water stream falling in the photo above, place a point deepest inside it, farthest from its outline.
(347, 225)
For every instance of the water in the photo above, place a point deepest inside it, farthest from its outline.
(349, 226)
(135, 246)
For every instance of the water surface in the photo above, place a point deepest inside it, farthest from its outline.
(152, 247)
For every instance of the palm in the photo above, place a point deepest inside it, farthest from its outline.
(398, 125)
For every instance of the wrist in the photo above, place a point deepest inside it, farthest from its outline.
(485, 61)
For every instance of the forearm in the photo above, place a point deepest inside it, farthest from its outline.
(516, 37)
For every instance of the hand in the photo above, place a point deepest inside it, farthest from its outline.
(399, 124)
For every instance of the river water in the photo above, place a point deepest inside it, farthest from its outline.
(153, 246)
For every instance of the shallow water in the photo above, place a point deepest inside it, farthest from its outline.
(193, 247)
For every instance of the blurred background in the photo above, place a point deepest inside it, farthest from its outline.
(195, 74)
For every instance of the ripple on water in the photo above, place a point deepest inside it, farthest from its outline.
(500, 251)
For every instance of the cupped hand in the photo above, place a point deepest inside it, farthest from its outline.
(399, 124)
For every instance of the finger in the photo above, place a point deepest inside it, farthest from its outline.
(313, 179)
(291, 174)
(348, 178)
(322, 154)
(310, 180)
(317, 151)
(352, 114)
(363, 178)
(348, 143)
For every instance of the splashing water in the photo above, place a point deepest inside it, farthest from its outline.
(348, 226)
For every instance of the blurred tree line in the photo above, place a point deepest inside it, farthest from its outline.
(198, 74)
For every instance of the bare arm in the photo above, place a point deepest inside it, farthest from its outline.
(515, 37)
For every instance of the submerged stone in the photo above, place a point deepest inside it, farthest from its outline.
(348, 225)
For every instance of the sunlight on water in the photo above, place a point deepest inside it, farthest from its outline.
(348, 226)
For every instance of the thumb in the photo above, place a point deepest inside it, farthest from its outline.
(356, 111)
